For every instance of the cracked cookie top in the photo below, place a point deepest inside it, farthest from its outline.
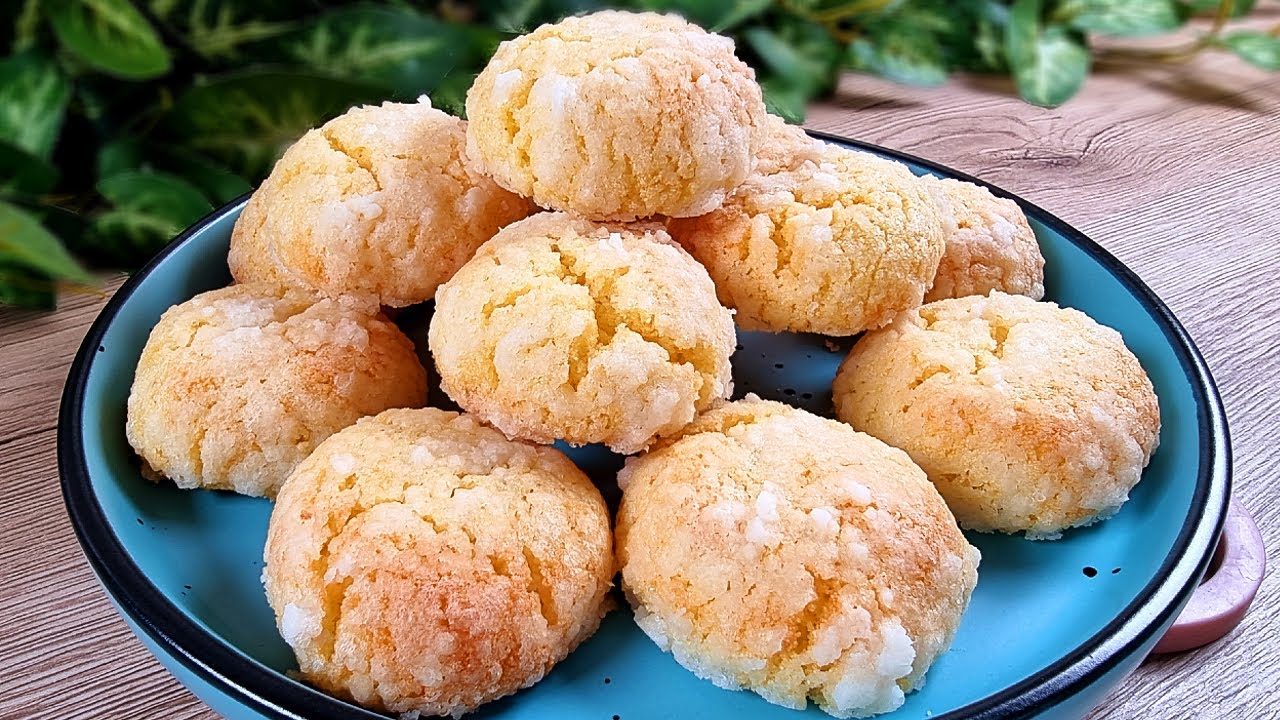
(379, 202)
(819, 239)
(1027, 416)
(616, 116)
(565, 329)
(989, 244)
(420, 561)
(236, 386)
(770, 549)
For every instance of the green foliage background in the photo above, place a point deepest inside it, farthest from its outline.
(123, 121)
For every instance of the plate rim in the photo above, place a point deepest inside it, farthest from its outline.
(273, 695)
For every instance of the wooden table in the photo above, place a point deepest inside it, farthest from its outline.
(1175, 171)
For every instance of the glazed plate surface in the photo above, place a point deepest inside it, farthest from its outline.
(1051, 625)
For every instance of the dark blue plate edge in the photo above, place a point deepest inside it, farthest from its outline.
(270, 694)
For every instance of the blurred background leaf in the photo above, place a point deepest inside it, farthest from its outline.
(123, 121)
(247, 120)
(1049, 61)
(1258, 48)
(1124, 17)
(109, 35)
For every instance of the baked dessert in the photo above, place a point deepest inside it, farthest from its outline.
(989, 244)
(770, 549)
(616, 116)
(565, 329)
(420, 562)
(236, 386)
(380, 202)
(1028, 417)
(826, 240)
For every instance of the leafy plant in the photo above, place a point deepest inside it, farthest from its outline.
(124, 121)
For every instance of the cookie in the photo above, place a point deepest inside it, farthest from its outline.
(380, 202)
(1027, 416)
(820, 239)
(616, 116)
(989, 244)
(565, 329)
(770, 549)
(420, 562)
(236, 386)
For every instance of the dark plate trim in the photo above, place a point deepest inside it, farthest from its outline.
(272, 695)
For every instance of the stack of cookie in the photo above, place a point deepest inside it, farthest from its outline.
(425, 561)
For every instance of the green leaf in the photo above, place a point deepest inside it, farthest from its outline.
(714, 15)
(25, 24)
(1239, 8)
(900, 53)
(118, 156)
(784, 99)
(109, 35)
(151, 208)
(22, 172)
(521, 16)
(1049, 63)
(450, 94)
(799, 53)
(159, 194)
(403, 50)
(1123, 17)
(246, 121)
(25, 243)
(23, 287)
(129, 236)
(1255, 48)
(33, 101)
(213, 180)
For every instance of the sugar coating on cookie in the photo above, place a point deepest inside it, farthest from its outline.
(565, 329)
(379, 202)
(1027, 416)
(989, 244)
(420, 562)
(616, 116)
(820, 239)
(236, 386)
(770, 549)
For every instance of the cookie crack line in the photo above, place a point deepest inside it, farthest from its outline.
(610, 319)
(339, 147)
(538, 585)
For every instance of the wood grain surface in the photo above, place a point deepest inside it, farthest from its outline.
(1175, 170)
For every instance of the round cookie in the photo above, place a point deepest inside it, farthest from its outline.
(378, 202)
(770, 549)
(419, 562)
(1026, 416)
(236, 386)
(989, 245)
(565, 329)
(828, 240)
(616, 116)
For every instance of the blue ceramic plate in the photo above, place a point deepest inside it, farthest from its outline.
(1052, 625)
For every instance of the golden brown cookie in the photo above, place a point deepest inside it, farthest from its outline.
(379, 202)
(419, 562)
(236, 386)
(989, 244)
(1027, 416)
(564, 329)
(820, 239)
(616, 116)
(770, 549)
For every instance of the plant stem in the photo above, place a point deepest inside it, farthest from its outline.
(1176, 55)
